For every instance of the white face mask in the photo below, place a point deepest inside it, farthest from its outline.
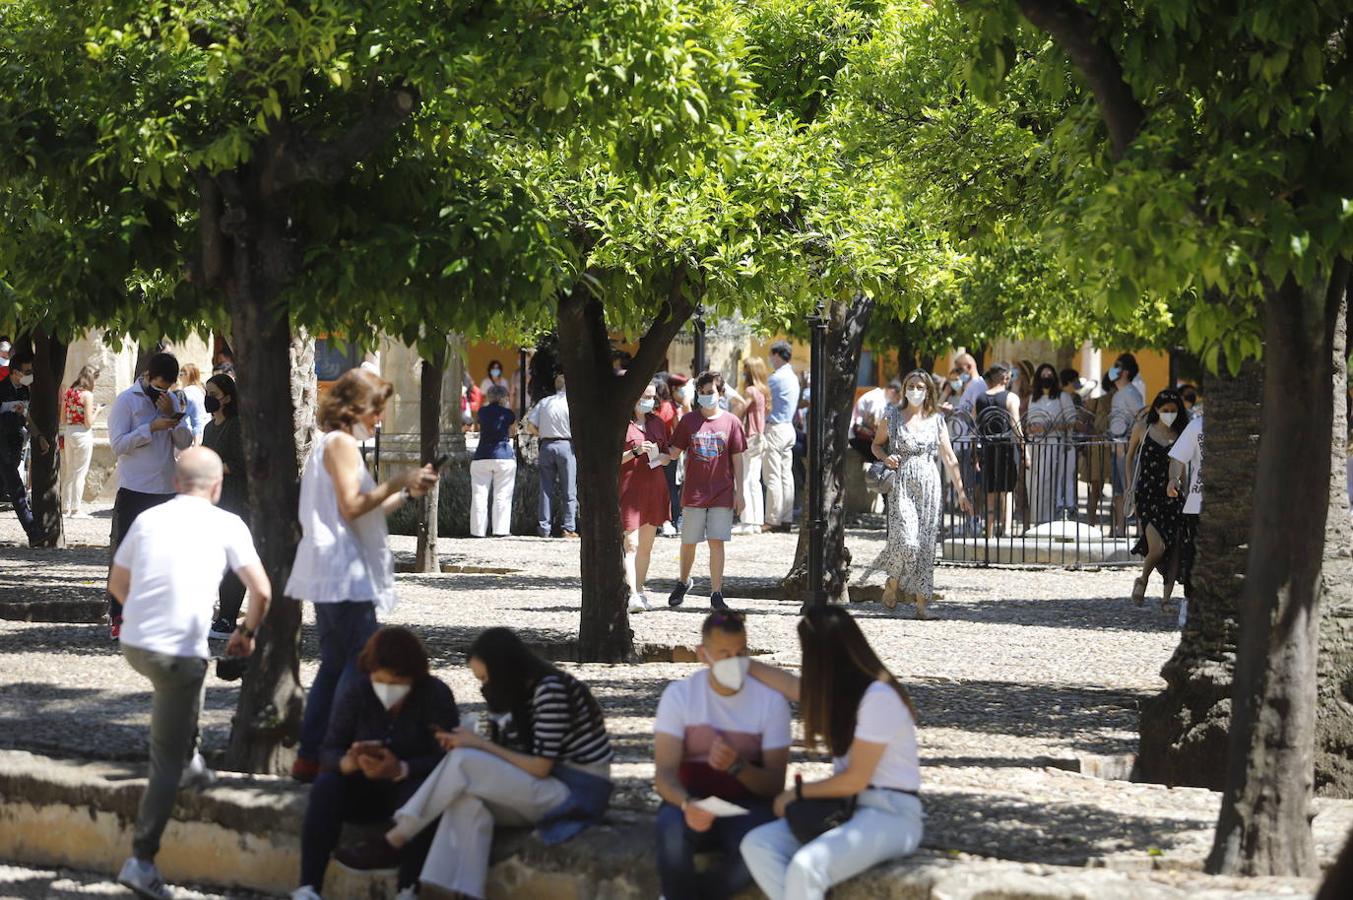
(731, 672)
(390, 694)
(915, 397)
(956, 384)
(1167, 418)
(361, 432)
(707, 401)
(688, 391)
(26, 380)
(646, 406)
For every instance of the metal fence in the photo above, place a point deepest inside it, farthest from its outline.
(1047, 488)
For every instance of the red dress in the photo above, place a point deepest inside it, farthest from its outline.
(643, 491)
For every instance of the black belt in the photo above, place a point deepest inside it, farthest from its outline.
(875, 787)
(552, 440)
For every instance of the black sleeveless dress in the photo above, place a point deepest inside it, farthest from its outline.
(1154, 506)
(1000, 467)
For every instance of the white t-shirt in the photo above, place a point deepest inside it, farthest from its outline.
(177, 553)
(870, 407)
(1188, 449)
(752, 721)
(884, 719)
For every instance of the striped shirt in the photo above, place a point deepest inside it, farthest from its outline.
(567, 723)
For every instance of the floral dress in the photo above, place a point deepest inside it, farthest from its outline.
(913, 506)
(1154, 505)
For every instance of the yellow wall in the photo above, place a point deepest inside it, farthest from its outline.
(1154, 365)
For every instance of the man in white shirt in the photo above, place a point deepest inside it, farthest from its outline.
(549, 421)
(147, 423)
(718, 734)
(167, 572)
(778, 440)
(867, 415)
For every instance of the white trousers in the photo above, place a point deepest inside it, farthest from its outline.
(886, 825)
(778, 454)
(753, 500)
(79, 450)
(473, 790)
(498, 476)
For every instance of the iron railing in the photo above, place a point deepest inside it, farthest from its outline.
(1046, 489)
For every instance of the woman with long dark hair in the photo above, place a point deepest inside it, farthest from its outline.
(1051, 476)
(546, 761)
(1159, 515)
(852, 704)
(222, 434)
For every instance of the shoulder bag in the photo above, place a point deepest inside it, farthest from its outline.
(809, 819)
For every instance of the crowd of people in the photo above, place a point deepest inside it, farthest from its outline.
(384, 740)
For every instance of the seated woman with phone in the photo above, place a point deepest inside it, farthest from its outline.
(380, 748)
(545, 762)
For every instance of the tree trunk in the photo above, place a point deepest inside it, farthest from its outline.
(600, 404)
(1264, 827)
(846, 325)
(1334, 711)
(44, 490)
(429, 440)
(1185, 728)
(275, 425)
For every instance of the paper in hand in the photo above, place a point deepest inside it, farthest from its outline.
(719, 807)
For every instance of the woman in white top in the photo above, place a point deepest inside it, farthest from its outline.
(851, 702)
(343, 564)
(190, 378)
(1051, 475)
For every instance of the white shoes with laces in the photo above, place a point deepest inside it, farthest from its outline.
(143, 879)
(640, 603)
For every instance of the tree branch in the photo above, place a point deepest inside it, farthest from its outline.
(659, 335)
(296, 159)
(1073, 28)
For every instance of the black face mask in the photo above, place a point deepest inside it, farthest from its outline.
(212, 404)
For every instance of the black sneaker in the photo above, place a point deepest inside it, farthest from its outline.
(371, 854)
(221, 629)
(716, 602)
(678, 593)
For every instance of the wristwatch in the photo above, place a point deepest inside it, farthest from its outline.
(246, 631)
(737, 767)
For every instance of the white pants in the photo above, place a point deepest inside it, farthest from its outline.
(753, 501)
(886, 825)
(75, 459)
(778, 453)
(499, 476)
(473, 790)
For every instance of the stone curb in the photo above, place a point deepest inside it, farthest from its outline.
(244, 832)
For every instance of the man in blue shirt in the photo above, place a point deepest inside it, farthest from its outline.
(779, 439)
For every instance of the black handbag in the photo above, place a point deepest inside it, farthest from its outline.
(810, 819)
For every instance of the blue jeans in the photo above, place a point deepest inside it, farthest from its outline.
(336, 799)
(558, 473)
(343, 631)
(678, 844)
(886, 825)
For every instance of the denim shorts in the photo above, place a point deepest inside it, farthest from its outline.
(699, 525)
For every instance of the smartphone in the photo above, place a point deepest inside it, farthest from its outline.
(177, 416)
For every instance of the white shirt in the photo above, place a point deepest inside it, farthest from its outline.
(1188, 449)
(145, 460)
(1127, 402)
(550, 416)
(884, 719)
(753, 720)
(870, 407)
(339, 560)
(177, 553)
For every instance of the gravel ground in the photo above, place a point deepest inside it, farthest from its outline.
(1023, 672)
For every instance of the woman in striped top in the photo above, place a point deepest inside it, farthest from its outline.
(543, 758)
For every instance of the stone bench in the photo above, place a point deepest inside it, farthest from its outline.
(244, 832)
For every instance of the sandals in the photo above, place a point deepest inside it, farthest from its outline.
(1139, 589)
(920, 608)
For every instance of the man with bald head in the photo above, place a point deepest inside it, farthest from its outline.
(166, 573)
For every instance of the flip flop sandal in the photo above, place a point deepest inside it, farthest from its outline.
(890, 594)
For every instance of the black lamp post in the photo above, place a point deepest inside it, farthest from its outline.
(698, 363)
(817, 439)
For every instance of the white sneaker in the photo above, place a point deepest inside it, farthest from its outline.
(196, 774)
(306, 892)
(143, 879)
(407, 894)
(668, 530)
(638, 603)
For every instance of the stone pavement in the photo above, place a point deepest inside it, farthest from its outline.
(1027, 678)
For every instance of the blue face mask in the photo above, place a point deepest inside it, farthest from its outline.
(956, 384)
(646, 406)
(965, 378)
(1114, 372)
(707, 401)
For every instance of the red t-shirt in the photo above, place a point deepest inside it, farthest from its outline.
(710, 446)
